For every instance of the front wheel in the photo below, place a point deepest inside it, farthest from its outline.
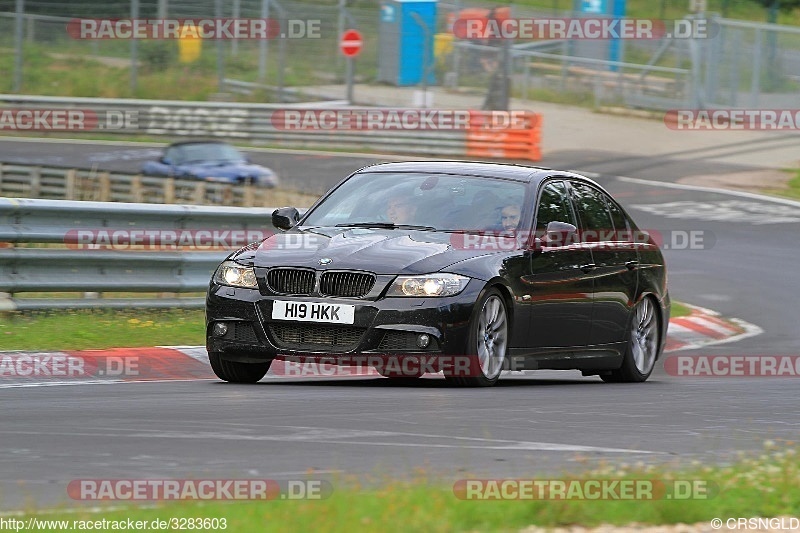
(642, 351)
(237, 372)
(486, 345)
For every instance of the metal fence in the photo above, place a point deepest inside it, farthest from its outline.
(751, 65)
(747, 63)
(309, 56)
(44, 251)
(741, 64)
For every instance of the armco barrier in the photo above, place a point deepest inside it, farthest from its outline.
(253, 123)
(40, 255)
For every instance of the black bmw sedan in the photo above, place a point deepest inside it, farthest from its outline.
(462, 268)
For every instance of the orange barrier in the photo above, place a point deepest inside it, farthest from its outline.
(505, 135)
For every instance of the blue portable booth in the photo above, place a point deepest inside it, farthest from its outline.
(405, 41)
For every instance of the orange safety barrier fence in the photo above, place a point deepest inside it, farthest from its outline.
(505, 135)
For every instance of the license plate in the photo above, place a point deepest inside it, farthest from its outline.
(313, 312)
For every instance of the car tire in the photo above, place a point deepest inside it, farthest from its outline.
(487, 343)
(235, 372)
(642, 349)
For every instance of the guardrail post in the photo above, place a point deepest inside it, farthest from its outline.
(7, 302)
(247, 195)
(169, 191)
(69, 184)
(137, 193)
(36, 182)
(199, 193)
(105, 186)
(227, 195)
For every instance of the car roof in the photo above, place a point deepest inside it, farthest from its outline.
(512, 171)
(523, 173)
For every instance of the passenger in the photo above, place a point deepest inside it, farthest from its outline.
(509, 218)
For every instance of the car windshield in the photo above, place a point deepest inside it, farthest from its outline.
(429, 201)
(198, 152)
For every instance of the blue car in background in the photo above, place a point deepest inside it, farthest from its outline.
(209, 161)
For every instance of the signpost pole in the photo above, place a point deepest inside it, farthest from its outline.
(349, 74)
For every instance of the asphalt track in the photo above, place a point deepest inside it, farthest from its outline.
(376, 428)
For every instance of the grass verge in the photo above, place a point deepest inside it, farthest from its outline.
(792, 189)
(678, 309)
(765, 484)
(97, 329)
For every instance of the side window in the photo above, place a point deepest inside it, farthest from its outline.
(593, 212)
(617, 216)
(553, 206)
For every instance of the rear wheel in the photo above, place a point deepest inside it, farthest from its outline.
(235, 372)
(642, 351)
(487, 343)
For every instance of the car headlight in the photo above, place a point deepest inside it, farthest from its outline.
(428, 285)
(235, 275)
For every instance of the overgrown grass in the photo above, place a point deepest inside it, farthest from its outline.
(766, 484)
(97, 329)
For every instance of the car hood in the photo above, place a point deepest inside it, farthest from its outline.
(383, 251)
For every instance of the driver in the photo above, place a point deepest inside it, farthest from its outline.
(400, 210)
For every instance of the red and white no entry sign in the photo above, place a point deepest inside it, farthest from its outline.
(350, 43)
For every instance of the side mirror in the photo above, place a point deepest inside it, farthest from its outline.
(166, 161)
(559, 233)
(285, 217)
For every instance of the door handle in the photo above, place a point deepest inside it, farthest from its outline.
(588, 268)
(631, 265)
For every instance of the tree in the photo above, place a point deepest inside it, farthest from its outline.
(775, 5)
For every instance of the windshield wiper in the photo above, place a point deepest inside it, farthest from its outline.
(384, 225)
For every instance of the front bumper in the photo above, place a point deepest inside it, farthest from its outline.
(253, 336)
